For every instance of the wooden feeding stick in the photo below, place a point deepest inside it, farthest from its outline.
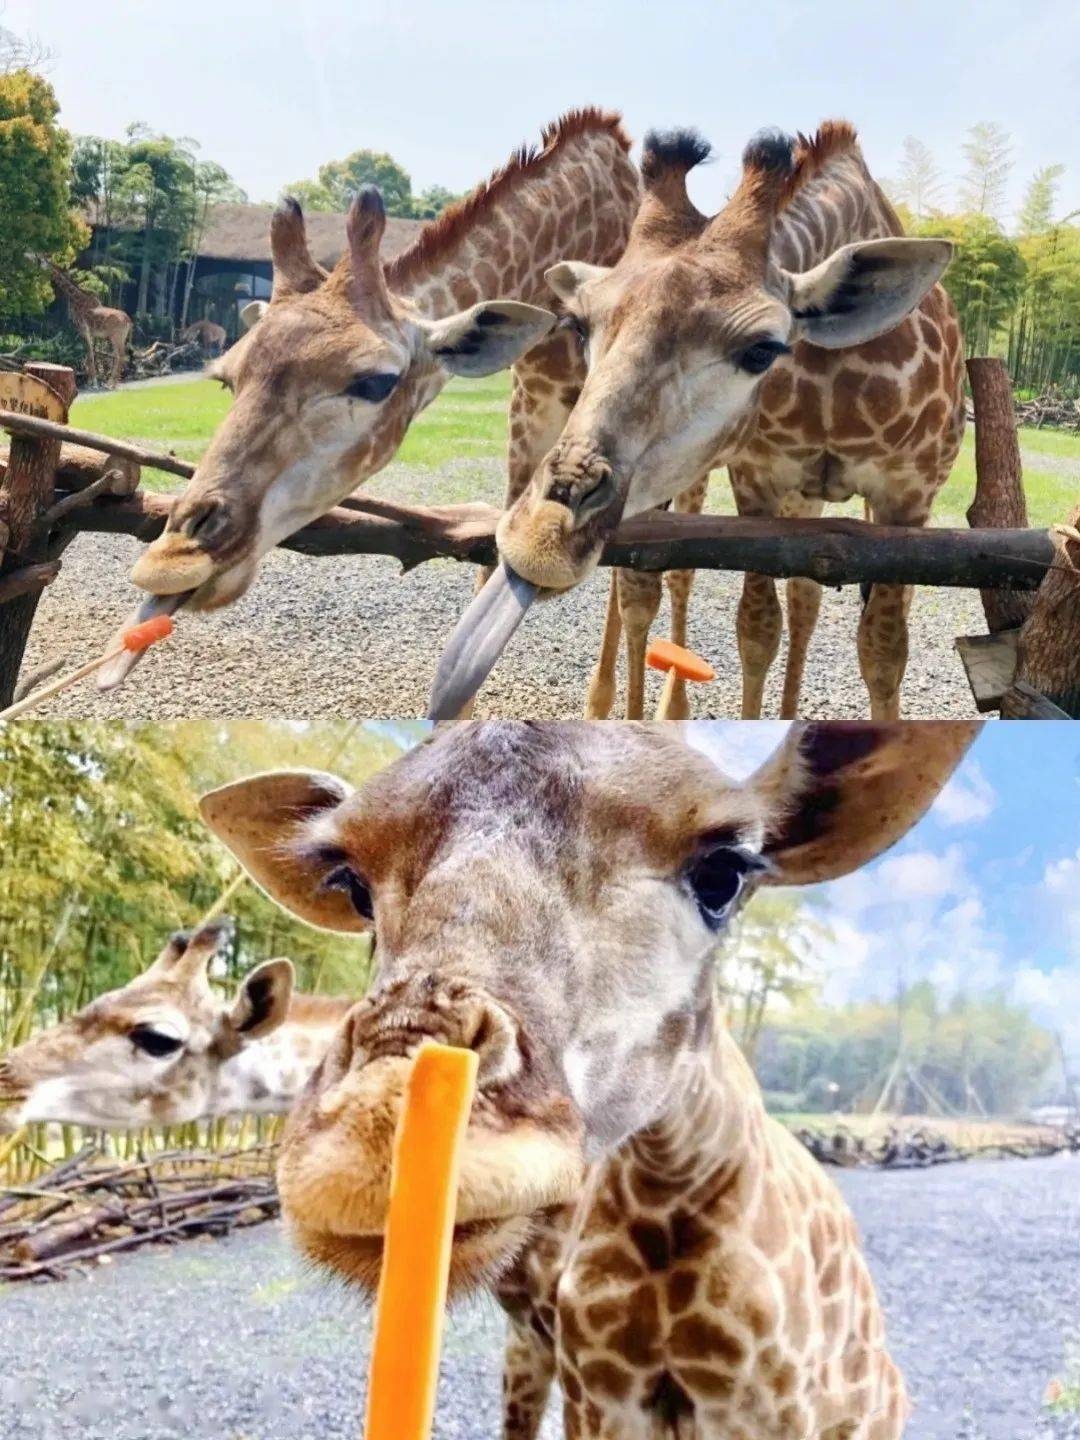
(416, 1253)
(679, 664)
(135, 639)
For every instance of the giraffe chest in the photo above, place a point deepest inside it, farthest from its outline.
(664, 1337)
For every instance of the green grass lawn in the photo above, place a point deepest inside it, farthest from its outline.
(468, 423)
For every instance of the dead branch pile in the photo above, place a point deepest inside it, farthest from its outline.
(1052, 408)
(89, 1208)
(163, 358)
(898, 1149)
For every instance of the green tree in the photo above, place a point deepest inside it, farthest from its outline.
(918, 182)
(986, 154)
(985, 278)
(34, 215)
(338, 181)
(430, 203)
(1037, 212)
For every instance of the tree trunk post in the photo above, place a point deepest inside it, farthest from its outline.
(1048, 652)
(27, 490)
(999, 501)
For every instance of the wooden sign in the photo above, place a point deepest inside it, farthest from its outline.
(27, 395)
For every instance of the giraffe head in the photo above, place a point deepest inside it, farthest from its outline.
(678, 336)
(552, 897)
(151, 1052)
(325, 385)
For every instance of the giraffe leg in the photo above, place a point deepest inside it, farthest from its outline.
(883, 628)
(759, 623)
(601, 696)
(679, 584)
(803, 603)
(527, 1375)
(639, 600)
(91, 358)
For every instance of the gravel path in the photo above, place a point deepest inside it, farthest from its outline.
(351, 636)
(976, 1265)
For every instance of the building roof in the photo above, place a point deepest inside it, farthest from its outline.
(242, 232)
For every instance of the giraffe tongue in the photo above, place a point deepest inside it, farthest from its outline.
(121, 666)
(480, 637)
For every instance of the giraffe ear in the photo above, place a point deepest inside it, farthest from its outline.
(488, 337)
(864, 289)
(570, 276)
(838, 795)
(262, 1001)
(261, 819)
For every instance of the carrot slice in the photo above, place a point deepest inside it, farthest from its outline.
(416, 1255)
(147, 633)
(665, 655)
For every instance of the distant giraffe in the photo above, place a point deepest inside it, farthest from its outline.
(93, 320)
(208, 334)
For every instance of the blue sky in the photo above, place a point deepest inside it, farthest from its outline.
(983, 892)
(271, 91)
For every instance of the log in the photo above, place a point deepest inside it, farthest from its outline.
(990, 665)
(1048, 651)
(32, 425)
(28, 490)
(30, 580)
(834, 551)
(999, 501)
(80, 467)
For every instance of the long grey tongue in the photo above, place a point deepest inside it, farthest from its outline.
(480, 637)
(117, 670)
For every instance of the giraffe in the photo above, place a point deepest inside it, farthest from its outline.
(335, 369)
(552, 896)
(797, 337)
(165, 1049)
(211, 336)
(93, 321)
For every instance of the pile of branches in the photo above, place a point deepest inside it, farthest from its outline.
(1051, 408)
(90, 1208)
(164, 357)
(898, 1149)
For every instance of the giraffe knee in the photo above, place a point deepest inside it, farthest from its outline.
(759, 622)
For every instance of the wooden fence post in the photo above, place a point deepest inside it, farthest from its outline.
(27, 490)
(1048, 651)
(999, 501)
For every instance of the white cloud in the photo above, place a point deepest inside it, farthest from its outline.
(967, 798)
(735, 747)
(1061, 886)
(1053, 997)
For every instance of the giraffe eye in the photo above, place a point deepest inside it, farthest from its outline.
(157, 1043)
(756, 359)
(372, 388)
(343, 878)
(716, 876)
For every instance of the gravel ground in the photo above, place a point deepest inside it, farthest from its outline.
(351, 636)
(976, 1265)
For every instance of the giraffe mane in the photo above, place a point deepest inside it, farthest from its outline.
(528, 162)
(813, 153)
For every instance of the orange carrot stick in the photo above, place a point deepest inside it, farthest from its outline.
(137, 638)
(679, 664)
(416, 1255)
(666, 655)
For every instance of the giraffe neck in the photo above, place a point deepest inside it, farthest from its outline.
(267, 1076)
(711, 1130)
(74, 294)
(840, 204)
(576, 200)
